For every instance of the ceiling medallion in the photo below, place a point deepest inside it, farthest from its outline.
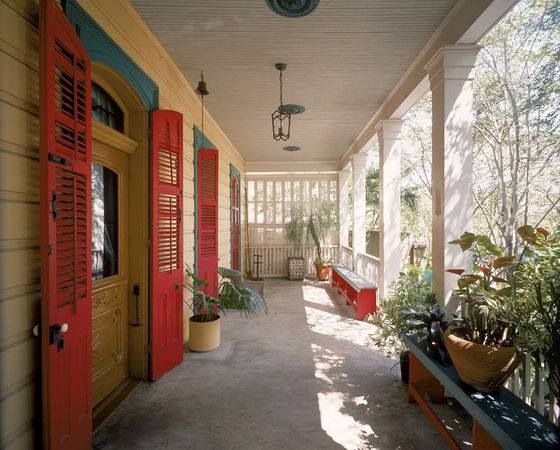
(280, 118)
(292, 8)
(292, 148)
(293, 109)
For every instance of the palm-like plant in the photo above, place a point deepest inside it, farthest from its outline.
(233, 293)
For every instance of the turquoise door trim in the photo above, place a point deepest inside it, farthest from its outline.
(199, 141)
(234, 173)
(103, 49)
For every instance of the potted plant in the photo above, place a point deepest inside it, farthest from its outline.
(409, 292)
(537, 299)
(482, 347)
(314, 228)
(430, 319)
(204, 325)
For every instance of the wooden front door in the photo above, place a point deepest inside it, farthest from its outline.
(207, 220)
(110, 277)
(65, 166)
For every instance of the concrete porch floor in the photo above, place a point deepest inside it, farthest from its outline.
(305, 376)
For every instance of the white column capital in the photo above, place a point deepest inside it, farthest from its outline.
(359, 159)
(453, 62)
(389, 129)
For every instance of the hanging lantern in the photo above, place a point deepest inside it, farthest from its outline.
(202, 90)
(281, 118)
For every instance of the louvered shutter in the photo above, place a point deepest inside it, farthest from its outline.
(65, 164)
(235, 227)
(166, 318)
(207, 233)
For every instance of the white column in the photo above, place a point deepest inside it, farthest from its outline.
(359, 167)
(451, 73)
(343, 191)
(388, 134)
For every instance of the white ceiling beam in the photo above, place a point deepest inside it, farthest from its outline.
(291, 167)
(467, 22)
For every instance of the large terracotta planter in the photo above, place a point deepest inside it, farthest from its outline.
(322, 271)
(204, 336)
(483, 367)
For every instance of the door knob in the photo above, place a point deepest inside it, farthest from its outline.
(56, 332)
(36, 330)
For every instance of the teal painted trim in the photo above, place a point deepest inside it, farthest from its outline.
(199, 141)
(101, 48)
(234, 173)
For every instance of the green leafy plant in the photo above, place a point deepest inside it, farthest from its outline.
(431, 320)
(487, 292)
(232, 294)
(409, 293)
(313, 227)
(537, 299)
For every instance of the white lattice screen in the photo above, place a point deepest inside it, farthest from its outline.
(271, 200)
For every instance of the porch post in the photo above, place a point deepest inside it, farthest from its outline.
(359, 162)
(451, 78)
(343, 188)
(388, 134)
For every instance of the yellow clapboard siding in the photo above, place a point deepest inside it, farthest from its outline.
(18, 364)
(20, 267)
(18, 128)
(18, 221)
(19, 174)
(17, 314)
(17, 411)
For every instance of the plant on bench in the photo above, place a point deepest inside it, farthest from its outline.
(483, 346)
(513, 306)
(537, 299)
(411, 291)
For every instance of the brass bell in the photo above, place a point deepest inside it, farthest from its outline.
(201, 88)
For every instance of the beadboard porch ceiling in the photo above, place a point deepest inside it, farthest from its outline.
(343, 60)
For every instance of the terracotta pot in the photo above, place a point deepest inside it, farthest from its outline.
(483, 367)
(322, 271)
(204, 336)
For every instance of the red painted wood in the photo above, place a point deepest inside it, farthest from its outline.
(207, 219)
(482, 440)
(420, 383)
(235, 226)
(364, 302)
(166, 272)
(65, 210)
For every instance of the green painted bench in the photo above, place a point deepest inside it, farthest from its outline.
(500, 419)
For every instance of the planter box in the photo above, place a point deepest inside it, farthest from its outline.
(296, 268)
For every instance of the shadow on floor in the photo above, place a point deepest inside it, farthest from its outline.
(303, 377)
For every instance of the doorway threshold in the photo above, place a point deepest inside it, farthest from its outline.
(106, 407)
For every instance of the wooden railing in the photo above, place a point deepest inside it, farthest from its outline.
(346, 256)
(275, 258)
(367, 266)
(528, 382)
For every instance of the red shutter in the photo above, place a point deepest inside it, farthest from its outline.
(207, 237)
(235, 223)
(65, 162)
(166, 283)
